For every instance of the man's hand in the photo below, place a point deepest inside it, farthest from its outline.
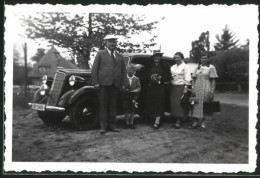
(124, 89)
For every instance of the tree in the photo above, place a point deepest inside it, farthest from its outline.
(17, 73)
(199, 46)
(18, 68)
(226, 41)
(83, 33)
(39, 54)
(233, 65)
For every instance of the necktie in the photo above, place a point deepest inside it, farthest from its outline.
(113, 57)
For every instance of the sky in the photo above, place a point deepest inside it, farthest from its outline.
(181, 24)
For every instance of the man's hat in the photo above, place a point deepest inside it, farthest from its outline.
(110, 37)
(157, 53)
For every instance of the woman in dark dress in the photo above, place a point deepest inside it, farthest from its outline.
(157, 72)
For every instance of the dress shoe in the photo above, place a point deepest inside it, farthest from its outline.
(102, 132)
(155, 126)
(176, 126)
(193, 126)
(203, 127)
(114, 130)
(131, 126)
(126, 126)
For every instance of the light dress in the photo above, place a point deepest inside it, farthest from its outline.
(203, 88)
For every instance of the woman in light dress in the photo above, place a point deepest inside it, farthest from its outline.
(203, 88)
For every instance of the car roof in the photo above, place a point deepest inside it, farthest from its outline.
(75, 71)
(143, 58)
(144, 55)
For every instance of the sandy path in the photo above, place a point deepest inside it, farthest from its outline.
(224, 141)
(237, 99)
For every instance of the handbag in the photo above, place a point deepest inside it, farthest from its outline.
(210, 107)
(185, 99)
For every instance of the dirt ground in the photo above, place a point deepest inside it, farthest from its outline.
(224, 141)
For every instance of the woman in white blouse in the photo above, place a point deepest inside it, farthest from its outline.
(181, 80)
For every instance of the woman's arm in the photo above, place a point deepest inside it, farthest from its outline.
(213, 75)
(213, 85)
(212, 88)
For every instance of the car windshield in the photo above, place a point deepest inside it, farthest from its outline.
(144, 60)
(126, 59)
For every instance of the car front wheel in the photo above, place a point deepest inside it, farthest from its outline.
(83, 114)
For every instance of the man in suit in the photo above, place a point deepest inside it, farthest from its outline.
(108, 77)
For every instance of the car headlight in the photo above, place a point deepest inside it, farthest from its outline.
(44, 79)
(44, 89)
(42, 92)
(72, 80)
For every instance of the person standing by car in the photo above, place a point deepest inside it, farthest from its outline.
(157, 72)
(130, 96)
(180, 83)
(108, 77)
(204, 87)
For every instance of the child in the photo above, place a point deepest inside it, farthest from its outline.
(130, 96)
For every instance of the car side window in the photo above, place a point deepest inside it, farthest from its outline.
(170, 62)
(139, 65)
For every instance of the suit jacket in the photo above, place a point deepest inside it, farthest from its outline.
(106, 72)
(135, 86)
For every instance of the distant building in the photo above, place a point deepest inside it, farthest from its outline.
(48, 65)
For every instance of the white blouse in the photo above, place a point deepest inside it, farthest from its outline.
(180, 74)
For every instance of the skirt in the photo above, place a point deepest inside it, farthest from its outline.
(177, 110)
(155, 101)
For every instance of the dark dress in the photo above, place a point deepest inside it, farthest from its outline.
(155, 93)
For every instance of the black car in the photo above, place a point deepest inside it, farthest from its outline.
(71, 93)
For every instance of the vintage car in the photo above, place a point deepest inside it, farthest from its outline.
(71, 93)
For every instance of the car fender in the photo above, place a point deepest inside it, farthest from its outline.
(38, 98)
(65, 98)
(81, 92)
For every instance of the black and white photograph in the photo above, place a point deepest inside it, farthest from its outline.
(157, 88)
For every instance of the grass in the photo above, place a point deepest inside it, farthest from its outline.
(21, 100)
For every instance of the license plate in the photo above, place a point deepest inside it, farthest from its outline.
(39, 107)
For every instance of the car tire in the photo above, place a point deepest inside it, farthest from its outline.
(49, 117)
(83, 114)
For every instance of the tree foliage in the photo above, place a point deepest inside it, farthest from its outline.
(232, 65)
(226, 41)
(199, 46)
(39, 54)
(16, 56)
(83, 33)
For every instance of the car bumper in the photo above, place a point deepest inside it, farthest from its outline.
(43, 107)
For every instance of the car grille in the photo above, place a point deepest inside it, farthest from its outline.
(56, 88)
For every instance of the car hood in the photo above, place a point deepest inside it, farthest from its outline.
(76, 71)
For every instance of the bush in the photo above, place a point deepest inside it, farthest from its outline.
(21, 100)
(232, 65)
